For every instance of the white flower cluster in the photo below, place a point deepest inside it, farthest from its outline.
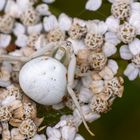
(125, 23)
(96, 84)
(18, 111)
(66, 129)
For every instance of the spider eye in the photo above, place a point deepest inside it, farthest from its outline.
(68, 43)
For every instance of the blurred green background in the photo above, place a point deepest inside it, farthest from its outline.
(123, 121)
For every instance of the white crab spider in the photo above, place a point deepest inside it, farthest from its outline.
(43, 78)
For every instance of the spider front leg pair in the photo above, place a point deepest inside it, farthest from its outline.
(43, 78)
(71, 73)
(47, 49)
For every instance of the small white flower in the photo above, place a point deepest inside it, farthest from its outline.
(30, 17)
(121, 9)
(127, 32)
(78, 29)
(102, 36)
(93, 5)
(57, 27)
(131, 52)
(6, 23)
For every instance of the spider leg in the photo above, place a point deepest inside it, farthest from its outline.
(49, 47)
(71, 72)
(13, 58)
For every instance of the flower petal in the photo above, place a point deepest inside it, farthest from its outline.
(64, 22)
(85, 95)
(134, 46)
(92, 26)
(23, 5)
(135, 7)
(68, 132)
(43, 9)
(5, 40)
(109, 49)
(102, 27)
(112, 38)
(19, 29)
(50, 23)
(135, 21)
(125, 53)
(86, 81)
(21, 40)
(131, 72)
(97, 86)
(39, 137)
(13, 9)
(93, 5)
(53, 132)
(35, 29)
(113, 24)
(113, 66)
(77, 45)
